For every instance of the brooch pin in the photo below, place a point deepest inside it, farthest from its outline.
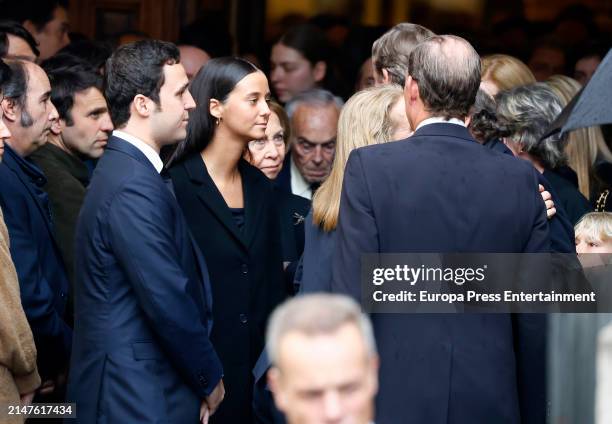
(298, 219)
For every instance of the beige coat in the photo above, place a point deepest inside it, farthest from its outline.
(18, 373)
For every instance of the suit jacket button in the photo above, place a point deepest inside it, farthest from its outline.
(245, 268)
(243, 318)
(62, 294)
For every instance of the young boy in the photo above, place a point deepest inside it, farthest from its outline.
(594, 233)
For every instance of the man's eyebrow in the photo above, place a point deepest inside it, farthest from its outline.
(98, 111)
(183, 88)
(331, 140)
(45, 96)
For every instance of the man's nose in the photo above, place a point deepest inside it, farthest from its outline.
(270, 150)
(332, 407)
(53, 113)
(276, 74)
(4, 132)
(189, 102)
(107, 124)
(317, 156)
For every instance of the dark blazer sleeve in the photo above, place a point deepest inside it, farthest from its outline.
(140, 233)
(529, 330)
(539, 238)
(52, 334)
(357, 230)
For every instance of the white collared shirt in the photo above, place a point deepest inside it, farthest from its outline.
(146, 150)
(439, 119)
(299, 186)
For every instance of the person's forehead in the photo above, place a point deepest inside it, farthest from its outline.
(60, 14)
(17, 46)
(253, 82)
(323, 358)
(38, 82)
(174, 76)
(90, 97)
(315, 117)
(282, 53)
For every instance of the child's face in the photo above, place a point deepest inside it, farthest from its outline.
(588, 245)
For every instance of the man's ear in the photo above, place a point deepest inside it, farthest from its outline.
(215, 107)
(143, 106)
(386, 79)
(275, 386)
(57, 126)
(319, 71)
(411, 90)
(10, 110)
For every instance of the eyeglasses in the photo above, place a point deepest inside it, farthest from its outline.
(278, 140)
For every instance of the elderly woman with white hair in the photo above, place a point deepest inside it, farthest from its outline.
(524, 114)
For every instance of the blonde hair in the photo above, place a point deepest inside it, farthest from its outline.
(505, 71)
(364, 120)
(595, 226)
(584, 145)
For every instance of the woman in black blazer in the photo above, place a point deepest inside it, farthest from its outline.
(229, 206)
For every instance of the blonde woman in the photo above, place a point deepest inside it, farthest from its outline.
(372, 116)
(587, 152)
(502, 72)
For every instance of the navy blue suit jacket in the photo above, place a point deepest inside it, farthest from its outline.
(42, 278)
(143, 304)
(440, 191)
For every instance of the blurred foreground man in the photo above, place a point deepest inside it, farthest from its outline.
(324, 361)
(143, 316)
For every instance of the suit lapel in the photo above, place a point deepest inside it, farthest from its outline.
(210, 195)
(14, 166)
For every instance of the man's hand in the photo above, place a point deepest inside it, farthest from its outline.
(550, 205)
(47, 386)
(204, 412)
(26, 399)
(216, 396)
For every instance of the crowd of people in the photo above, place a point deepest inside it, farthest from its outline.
(181, 236)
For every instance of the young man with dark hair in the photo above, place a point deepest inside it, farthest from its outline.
(18, 42)
(46, 20)
(81, 133)
(142, 351)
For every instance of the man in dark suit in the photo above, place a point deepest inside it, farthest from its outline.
(141, 351)
(28, 114)
(439, 191)
(81, 133)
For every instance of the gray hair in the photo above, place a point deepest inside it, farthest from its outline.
(314, 97)
(527, 111)
(16, 89)
(316, 314)
(446, 69)
(392, 50)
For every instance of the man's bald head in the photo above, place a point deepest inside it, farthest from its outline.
(446, 69)
(192, 58)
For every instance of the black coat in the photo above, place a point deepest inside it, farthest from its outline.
(245, 267)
